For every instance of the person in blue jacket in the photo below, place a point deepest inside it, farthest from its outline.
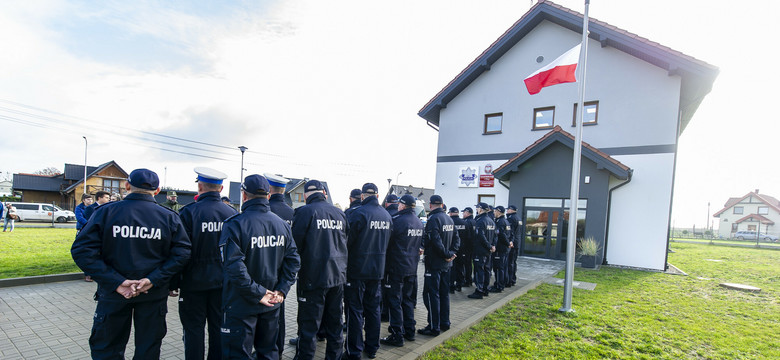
(132, 249)
(81, 220)
(354, 201)
(199, 285)
(467, 245)
(403, 257)
(260, 262)
(101, 198)
(370, 228)
(280, 208)
(320, 231)
(504, 243)
(458, 269)
(440, 243)
(484, 246)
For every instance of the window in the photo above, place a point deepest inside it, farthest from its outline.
(738, 210)
(48, 208)
(544, 118)
(487, 199)
(299, 197)
(591, 115)
(763, 210)
(734, 227)
(111, 186)
(751, 228)
(493, 123)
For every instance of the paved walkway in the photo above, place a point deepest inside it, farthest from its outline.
(54, 320)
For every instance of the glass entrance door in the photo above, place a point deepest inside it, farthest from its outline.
(543, 229)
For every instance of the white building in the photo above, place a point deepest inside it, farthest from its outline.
(639, 97)
(751, 212)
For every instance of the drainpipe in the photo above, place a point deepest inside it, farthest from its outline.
(609, 210)
(502, 183)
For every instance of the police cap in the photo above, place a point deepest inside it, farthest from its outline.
(355, 193)
(483, 206)
(454, 210)
(392, 198)
(370, 188)
(511, 207)
(313, 185)
(436, 199)
(172, 193)
(468, 209)
(256, 184)
(500, 209)
(276, 180)
(408, 200)
(209, 175)
(144, 179)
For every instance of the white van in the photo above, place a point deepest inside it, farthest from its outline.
(42, 212)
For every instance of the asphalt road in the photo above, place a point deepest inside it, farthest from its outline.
(42, 224)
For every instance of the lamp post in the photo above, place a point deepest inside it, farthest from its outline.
(241, 197)
(396, 177)
(85, 165)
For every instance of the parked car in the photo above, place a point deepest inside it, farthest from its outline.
(42, 212)
(752, 235)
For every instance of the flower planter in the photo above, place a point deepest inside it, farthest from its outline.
(588, 262)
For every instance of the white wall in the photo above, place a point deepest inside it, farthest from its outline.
(639, 216)
(447, 185)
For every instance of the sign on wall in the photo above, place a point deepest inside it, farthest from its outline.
(486, 178)
(467, 177)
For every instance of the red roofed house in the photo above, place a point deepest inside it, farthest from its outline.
(752, 212)
(500, 145)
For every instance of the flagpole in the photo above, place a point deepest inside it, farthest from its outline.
(575, 169)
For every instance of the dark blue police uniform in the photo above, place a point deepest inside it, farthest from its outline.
(440, 242)
(467, 247)
(392, 208)
(458, 270)
(515, 236)
(201, 280)
(284, 211)
(259, 256)
(320, 231)
(403, 257)
(370, 228)
(130, 240)
(484, 241)
(502, 252)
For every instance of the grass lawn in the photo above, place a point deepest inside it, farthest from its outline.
(641, 315)
(30, 251)
(762, 243)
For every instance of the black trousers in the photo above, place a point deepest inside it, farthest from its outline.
(466, 263)
(320, 308)
(481, 273)
(401, 298)
(196, 308)
(363, 297)
(111, 328)
(436, 297)
(499, 269)
(512, 266)
(240, 333)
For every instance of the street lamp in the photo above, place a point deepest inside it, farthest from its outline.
(241, 197)
(85, 165)
(396, 177)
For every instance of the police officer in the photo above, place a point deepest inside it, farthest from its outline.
(440, 243)
(171, 201)
(280, 208)
(370, 227)
(458, 270)
(391, 204)
(514, 222)
(200, 282)
(131, 248)
(467, 244)
(320, 230)
(403, 256)
(354, 201)
(260, 263)
(504, 243)
(484, 246)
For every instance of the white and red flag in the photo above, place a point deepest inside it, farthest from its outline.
(561, 70)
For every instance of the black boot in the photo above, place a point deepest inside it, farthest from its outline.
(393, 340)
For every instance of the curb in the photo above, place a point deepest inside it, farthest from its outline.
(41, 279)
(456, 330)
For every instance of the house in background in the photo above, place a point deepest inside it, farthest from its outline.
(500, 145)
(420, 193)
(752, 212)
(64, 190)
(5, 188)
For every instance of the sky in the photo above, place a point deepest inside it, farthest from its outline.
(331, 89)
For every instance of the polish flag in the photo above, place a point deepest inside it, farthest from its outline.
(561, 70)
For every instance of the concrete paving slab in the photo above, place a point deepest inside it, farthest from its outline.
(53, 320)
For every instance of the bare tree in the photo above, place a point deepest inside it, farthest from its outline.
(49, 171)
